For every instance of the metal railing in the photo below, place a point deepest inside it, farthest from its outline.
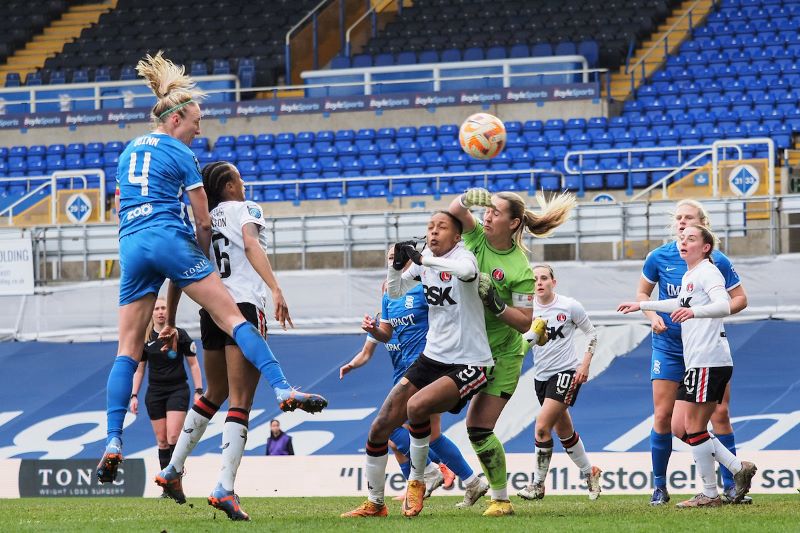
(128, 98)
(51, 181)
(664, 41)
(311, 15)
(372, 14)
(617, 225)
(673, 171)
(438, 69)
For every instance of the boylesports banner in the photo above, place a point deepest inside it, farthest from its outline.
(322, 105)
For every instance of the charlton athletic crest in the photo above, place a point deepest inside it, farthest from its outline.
(445, 276)
(690, 287)
(561, 317)
(498, 274)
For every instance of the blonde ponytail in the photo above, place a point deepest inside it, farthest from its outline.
(554, 212)
(169, 82)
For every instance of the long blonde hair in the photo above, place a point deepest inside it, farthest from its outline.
(169, 82)
(554, 212)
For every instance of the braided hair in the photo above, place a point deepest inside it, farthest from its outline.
(215, 177)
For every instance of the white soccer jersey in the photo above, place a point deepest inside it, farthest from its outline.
(704, 341)
(456, 327)
(227, 248)
(563, 315)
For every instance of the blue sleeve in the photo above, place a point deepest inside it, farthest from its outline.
(650, 268)
(728, 272)
(190, 168)
(385, 307)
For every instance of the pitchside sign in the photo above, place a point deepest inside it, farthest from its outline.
(16, 266)
(344, 475)
(63, 478)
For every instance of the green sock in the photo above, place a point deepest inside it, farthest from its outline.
(491, 455)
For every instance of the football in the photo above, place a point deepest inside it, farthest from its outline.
(482, 136)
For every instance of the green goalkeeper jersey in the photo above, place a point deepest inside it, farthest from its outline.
(512, 276)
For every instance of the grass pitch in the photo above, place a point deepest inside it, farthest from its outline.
(555, 513)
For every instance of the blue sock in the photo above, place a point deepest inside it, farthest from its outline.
(451, 456)
(729, 441)
(256, 350)
(433, 457)
(660, 450)
(118, 394)
(405, 468)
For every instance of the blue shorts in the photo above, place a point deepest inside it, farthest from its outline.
(667, 365)
(149, 256)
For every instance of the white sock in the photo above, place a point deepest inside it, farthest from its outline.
(500, 494)
(376, 477)
(234, 437)
(703, 454)
(578, 455)
(543, 456)
(418, 455)
(724, 456)
(193, 428)
(472, 479)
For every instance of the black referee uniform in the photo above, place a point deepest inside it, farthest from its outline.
(167, 384)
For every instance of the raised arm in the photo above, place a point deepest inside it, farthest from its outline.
(202, 220)
(258, 259)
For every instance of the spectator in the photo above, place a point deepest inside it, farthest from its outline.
(279, 443)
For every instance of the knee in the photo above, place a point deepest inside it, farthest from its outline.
(172, 438)
(662, 420)
(721, 415)
(417, 411)
(478, 435)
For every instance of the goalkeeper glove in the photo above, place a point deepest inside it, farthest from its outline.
(477, 196)
(538, 333)
(489, 296)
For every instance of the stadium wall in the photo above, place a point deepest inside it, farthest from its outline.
(53, 409)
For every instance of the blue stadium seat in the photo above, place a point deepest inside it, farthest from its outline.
(362, 61)
(429, 56)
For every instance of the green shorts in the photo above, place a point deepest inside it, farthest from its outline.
(504, 375)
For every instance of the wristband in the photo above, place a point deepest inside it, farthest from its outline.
(198, 391)
(134, 396)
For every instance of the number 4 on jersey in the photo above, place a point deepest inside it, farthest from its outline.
(140, 179)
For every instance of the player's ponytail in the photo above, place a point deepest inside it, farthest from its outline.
(554, 212)
(169, 82)
(215, 176)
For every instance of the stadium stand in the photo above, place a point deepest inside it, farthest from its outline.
(715, 88)
(440, 30)
(210, 37)
(26, 19)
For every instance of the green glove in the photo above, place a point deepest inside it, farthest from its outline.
(489, 296)
(477, 196)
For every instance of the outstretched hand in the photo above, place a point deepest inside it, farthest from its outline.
(628, 307)
(169, 337)
(281, 309)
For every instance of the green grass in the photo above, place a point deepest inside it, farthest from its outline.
(554, 514)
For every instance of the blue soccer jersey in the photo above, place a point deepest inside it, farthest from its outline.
(153, 172)
(408, 316)
(665, 267)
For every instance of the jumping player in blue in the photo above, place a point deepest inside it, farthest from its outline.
(156, 242)
(665, 267)
(403, 326)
